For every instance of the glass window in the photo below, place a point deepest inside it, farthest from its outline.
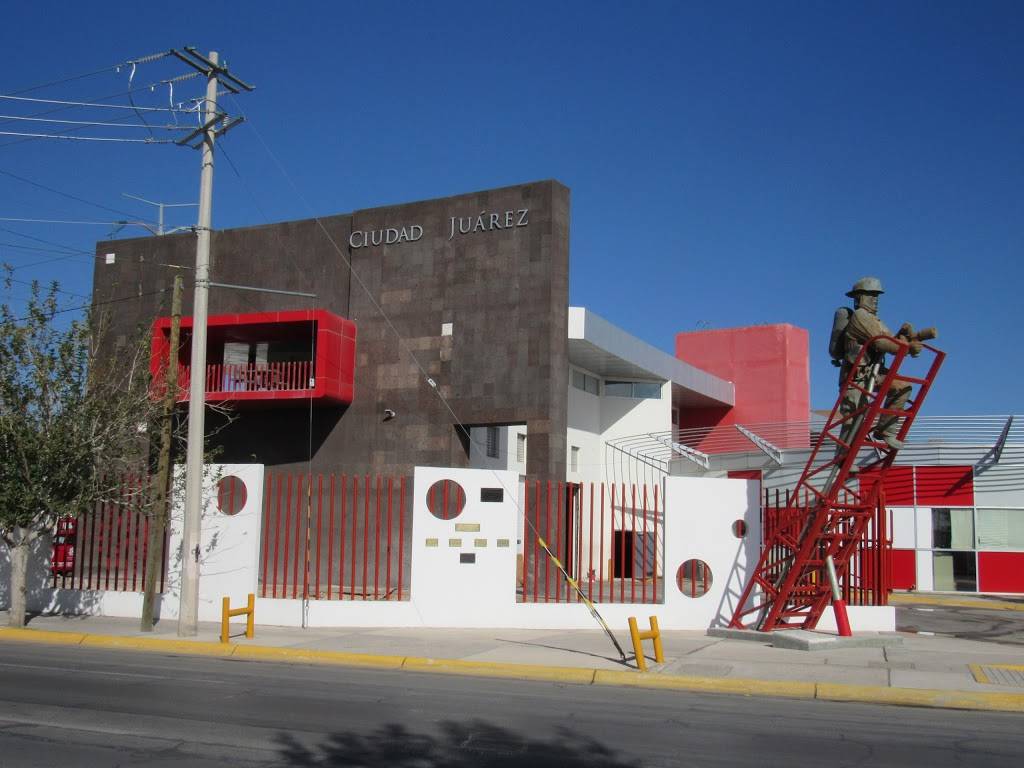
(520, 448)
(584, 383)
(646, 389)
(952, 528)
(618, 388)
(492, 442)
(1001, 529)
(955, 572)
(574, 459)
(639, 389)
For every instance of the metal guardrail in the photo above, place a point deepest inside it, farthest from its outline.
(774, 438)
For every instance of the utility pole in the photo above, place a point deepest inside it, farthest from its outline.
(160, 213)
(188, 612)
(160, 512)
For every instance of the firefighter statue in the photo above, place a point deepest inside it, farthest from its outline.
(851, 328)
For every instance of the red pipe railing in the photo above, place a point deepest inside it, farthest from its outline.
(609, 540)
(225, 378)
(334, 556)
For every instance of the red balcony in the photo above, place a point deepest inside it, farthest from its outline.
(265, 357)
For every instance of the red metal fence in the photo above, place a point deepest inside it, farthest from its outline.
(252, 377)
(868, 580)
(609, 538)
(335, 537)
(106, 548)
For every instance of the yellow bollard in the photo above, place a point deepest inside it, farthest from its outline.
(638, 636)
(249, 612)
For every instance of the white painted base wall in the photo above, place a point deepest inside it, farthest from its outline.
(447, 592)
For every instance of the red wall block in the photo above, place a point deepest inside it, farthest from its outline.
(898, 485)
(768, 364)
(945, 487)
(1001, 571)
(903, 568)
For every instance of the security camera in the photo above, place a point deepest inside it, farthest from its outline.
(388, 414)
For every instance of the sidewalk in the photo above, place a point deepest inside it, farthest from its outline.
(921, 670)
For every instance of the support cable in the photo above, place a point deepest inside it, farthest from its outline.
(403, 344)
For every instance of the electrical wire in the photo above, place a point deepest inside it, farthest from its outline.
(406, 348)
(94, 123)
(7, 278)
(134, 106)
(67, 221)
(21, 247)
(92, 104)
(85, 138)
(42, 240)
(68, 195)
(95, 303)
(112, 68)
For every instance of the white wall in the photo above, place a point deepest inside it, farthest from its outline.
(229, 554)
(445, 592)
(594, 420)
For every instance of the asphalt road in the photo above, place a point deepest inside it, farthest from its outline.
(73, 707)
(991, 625)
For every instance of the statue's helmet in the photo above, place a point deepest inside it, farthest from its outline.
(869, 285)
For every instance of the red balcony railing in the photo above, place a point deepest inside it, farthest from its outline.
(230, 379)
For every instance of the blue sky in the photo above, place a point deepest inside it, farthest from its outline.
(729, 165)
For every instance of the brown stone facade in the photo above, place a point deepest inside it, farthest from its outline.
(494, 264)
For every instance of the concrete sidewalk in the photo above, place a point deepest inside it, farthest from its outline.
(919, 670)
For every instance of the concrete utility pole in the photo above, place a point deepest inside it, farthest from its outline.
(216, 75)
(188, 614)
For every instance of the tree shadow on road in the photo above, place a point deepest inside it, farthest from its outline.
(476, 744)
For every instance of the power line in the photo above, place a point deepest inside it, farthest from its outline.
(96, 105)
(111, 68)
(85, 138)
(68, 195)
(42, 240)
(404, 345)
(21, 247)
(7, 278)
(95, 303)
(94, 123)
(71, 221)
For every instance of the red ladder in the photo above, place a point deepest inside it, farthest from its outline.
(789, 588)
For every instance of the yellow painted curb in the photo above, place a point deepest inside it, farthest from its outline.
(272, 653)
(192, 647)
(791, 689)
(956, 602)
(979, 674)
(580, 675)
(41, 636)
(925, 697)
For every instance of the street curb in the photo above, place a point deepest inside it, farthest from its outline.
(865, 694)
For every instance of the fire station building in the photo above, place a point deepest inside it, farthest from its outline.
(440, 334)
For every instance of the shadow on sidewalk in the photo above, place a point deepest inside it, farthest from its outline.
(612, 659)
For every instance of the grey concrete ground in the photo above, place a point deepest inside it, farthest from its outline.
(78, 706)
(920, 661)
(977, 619)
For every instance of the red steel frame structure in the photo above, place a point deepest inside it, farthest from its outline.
(789, 587)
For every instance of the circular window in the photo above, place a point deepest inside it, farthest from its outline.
(231, 494)
(445, 499)
(694, 578)
(739, 528)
